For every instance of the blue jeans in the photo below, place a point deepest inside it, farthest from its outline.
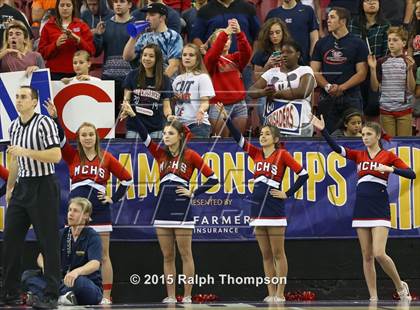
(247, 74)
(85, 290)
(200, 131)
(130, 134)
(261, 102)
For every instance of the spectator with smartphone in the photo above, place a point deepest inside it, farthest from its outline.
(61, 37)
(225, 71)
(270, 41)
(215, 15)
(291, 84)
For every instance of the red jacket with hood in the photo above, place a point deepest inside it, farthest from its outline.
(60, 59)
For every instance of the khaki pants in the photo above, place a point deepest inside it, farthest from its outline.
(397, 126)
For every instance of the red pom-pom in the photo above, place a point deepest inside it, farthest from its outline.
(312, 296)
(203, 298)
(300, 296)
(179, 298)
(308, 296)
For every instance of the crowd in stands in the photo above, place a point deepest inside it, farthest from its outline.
(349, 60)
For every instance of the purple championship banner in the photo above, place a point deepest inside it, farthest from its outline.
(321, 209)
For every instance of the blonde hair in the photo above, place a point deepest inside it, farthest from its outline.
(82, 53)
(399, 32)
(17, 24)
(85, 204)
(214, 35)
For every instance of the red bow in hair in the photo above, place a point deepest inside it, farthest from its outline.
(188, 133)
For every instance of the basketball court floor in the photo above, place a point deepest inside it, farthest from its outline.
(314, 305)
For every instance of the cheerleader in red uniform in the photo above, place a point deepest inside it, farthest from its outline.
(267, 208)
(4, 174)
(173, 218)
(371, 215)
(90, 169)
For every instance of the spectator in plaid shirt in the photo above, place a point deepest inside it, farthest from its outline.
(371, 24)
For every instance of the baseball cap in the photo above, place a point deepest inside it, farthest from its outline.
(156, 8)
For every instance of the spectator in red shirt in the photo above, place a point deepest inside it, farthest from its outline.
(225, 71)
(61, 37)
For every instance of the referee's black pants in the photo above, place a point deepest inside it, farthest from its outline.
(34, 201)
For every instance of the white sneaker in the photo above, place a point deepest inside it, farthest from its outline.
(405, 292)
(269, 299)
(68, 299)
(186, 300)
(279, 299)
(169, 300)
(105, 301)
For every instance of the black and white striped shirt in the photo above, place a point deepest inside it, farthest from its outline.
(39, 133)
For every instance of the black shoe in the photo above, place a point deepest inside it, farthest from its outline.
(45, 303)
(11, 300)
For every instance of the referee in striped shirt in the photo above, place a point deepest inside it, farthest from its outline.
(33, 196)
